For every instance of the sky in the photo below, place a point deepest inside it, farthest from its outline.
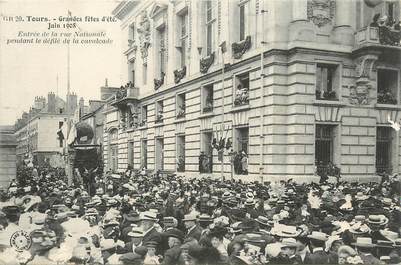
(29, 70)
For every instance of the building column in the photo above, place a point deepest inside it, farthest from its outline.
(342, 31)
(301, 29)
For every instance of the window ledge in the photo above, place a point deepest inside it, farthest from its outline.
(387, 106)
(328, 103)
(240, 108)
(158, 124)
(131, 129)
(143, 127)
(178, 120)
(206, 115)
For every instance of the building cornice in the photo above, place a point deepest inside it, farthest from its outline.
(123, 8)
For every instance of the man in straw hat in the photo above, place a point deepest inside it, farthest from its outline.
(317, 241)
(364, 247)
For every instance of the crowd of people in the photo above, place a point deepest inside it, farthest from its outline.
(140, 218)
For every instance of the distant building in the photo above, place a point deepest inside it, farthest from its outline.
(8, 165)
(36, 131)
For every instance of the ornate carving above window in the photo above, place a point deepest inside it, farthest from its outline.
(321, 12)
(159, 82)
(206, 62)
(239, 48)
(179, 74)
(144, 34)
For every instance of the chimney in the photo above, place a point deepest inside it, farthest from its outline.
(106, 83)
(40, 103)
(72, 102)
(81, 107)
(51, 102)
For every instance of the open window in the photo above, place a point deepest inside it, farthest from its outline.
(384, 150)
(180, 106)
(387, 86)
(327, 81)
(180, 153)
(241, 83)
(159, 112)
(241, 150)
(206, 154)
(207, 98)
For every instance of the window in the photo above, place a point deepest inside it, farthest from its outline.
(180, 153)
(210, 21)
(387, 86)
(162, 51)
(324, 148)
(242, 22)
(113, 158)
(327, 81)
(383, 150)
(207, 98)
(144, 115)
(206, 155)
(159, 154)
(241, 89)
(241, 142)
(131, 33)
(144, 74)
(131, 154)
(131, 72)
(180, 106)
(390, 11)
(113, 135)
(183, 38)
(60, 134)
(144, 153)
(159, 111)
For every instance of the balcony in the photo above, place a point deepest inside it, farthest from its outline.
(126, 94)
(378, 36)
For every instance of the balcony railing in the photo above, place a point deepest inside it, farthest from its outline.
(125, 93)
(325, 95)
(378, 35)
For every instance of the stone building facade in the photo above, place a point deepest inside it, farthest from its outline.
(8, 158)
(306, 87)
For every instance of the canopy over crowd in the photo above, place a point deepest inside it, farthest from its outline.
(138, 218)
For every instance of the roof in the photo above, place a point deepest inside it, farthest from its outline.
(60, 103)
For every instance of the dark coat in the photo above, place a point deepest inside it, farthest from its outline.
(369, 259)
(318, 257)
(172, 256)
(195, 233)
(155, 236)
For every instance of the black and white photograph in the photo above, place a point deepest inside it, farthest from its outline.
(200, 132)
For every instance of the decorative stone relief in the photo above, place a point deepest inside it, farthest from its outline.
(239, 48)
(144, 34)
(206, 62)
(159, 82)
(179, 74)
(359, 94)
(321, 12)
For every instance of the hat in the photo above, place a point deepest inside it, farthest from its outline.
(384, 244)
(390, 235)
(136, 232)
(151, 216)
(387, 201)
(365, 242)
(205, 218)
(169, 221)
(189, 217)
(290, 242)
(151, 244)
(285, 230)
(249, 202)
(359, 228)
(262, 220)
(115, 176)
(360, 196)
(320, 236)
(377, 220)
(176, 233)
